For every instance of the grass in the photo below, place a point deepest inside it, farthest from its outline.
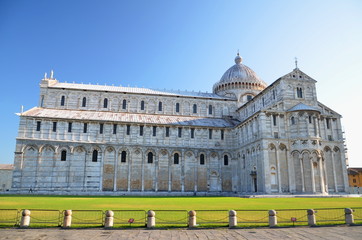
(174, 219)
(170, 203)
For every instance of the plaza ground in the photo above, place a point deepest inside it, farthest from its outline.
(339, 232)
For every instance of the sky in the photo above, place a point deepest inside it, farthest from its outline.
(185, 45)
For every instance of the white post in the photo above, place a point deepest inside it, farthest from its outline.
(67, 222)
(151, 222)
(25, 219)
(273, 218)
(233, 220)
(108, 223)
(311, 217)
(349, 216)
(192, 219)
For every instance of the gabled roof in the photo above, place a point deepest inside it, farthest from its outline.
(129, 117)
(354, 171)
(302, 107)
(297, 74)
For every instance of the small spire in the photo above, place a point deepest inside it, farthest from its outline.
(52, 74)
(238, 53)
(296, 62)
(45, 75)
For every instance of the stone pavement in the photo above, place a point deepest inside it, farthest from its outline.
(339, 232)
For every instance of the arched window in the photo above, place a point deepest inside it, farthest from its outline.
(84, 102)
(105, 103)
(226, 160)
(62, 101)
(249, 97)
(202, 159)
(274, 120)
(292, 120)
(142, 105)
(95, 156)
(150, 157)
(243, 161)
(159, 106)
(299, 92)
(123, 156)
(124, 104)
(63, 155)
(210, 109)
(176, 158)
(194, 108)
(177, 107)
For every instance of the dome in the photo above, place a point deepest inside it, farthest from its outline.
(239, 76)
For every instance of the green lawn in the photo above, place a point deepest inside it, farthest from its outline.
(176, 203)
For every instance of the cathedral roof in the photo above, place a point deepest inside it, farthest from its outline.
(6, 166)
(302, 107)
(137, 90)
(130, 117)
(240, 73)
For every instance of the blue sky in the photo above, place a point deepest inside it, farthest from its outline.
(179, 45)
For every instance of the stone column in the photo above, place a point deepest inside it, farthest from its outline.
(278, 169)
(25, 219)
(196, 166)
(331, 127)
(115, 172)
(291, 180)
(37, 163)
(302, 172)
(156, 163)
(265, 166)
(101, 162)
(68, 168)
(334, 172)
(182, 161)
(319, 127)
(312, 174)
(129, 171)
(273, 218)
(108, 223)
(315, 125)
(169, 169)
(321, 175)
(349, 216)
(311, 218)
(67, 221)
(233, 220)
(151, 220)
(143, 170)
(192, 219)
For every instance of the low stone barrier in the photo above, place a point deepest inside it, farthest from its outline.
(192, 219)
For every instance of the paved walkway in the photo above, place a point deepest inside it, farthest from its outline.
(339, 232)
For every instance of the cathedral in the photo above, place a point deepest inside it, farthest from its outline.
(246, 137)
